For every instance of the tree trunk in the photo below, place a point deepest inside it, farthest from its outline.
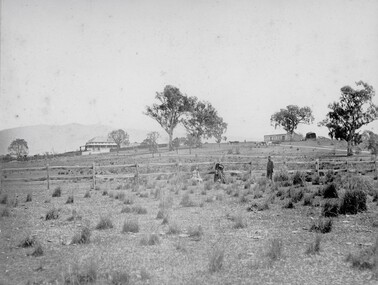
(349, 148)
(170, 140)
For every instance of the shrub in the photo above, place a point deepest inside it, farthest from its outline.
(38, 250)
(216, 259)
(173, 229)
(353, 202)
(330, 191)
(70, 199)
(186, 201)
(139, 210)
(329, 177)
(331, 208)
(28, 241)
(28, 198)
(5, 212)
(275, 248)
(104, 223)
(195, 233)
(52, 214)
(87, 194)
(314, 247)
(298, 178)
(322, 225)
(365, 259)
(150, 239)
(130, 226)
(84, 237)
(57, 192)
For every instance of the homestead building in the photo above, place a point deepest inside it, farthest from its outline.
(98, 145)
(283, 137)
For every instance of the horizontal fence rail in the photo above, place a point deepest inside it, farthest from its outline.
(95, 172)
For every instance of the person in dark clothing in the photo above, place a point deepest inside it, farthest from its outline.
(269, 169)
(219, 174)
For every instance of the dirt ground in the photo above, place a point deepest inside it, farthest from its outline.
(179, 258)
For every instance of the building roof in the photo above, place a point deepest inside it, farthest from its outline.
(101, 140)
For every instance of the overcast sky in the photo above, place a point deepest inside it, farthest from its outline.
(97, 61)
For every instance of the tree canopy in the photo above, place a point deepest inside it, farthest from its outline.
(354, 109)
(151, 142)
(19, 148)
(202, 121)
(171, 106)
(291, 117)
(119, 137)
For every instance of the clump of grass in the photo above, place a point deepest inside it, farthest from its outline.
(365, 259)
(257, 195)
(104, 223)
(4, 199)
(308, 199)
(296, 194)
(161, 214)
(70, 199)
(84, 237)
(239, 222)
(144, 275)
(353, 202)
(28, 241)
(57, 192)
(87, 194)
(166, 202)
(216, 258)
(288, 205)
(322, 225)
(139, 210)
(38, 250)
(330, 191)
(186, 201)
(97, 188)
(208, 185)
(120, 196)
(105, 192)
(275, 249)
(13, 202)
(74, 216)
(298, 178)
(243, 199)
(5, 212)
(150, 239)
(77, 275)
(52, 214)
(126, 209)
(128, 201)
(314, 247)
(165, 220)
(111, 195)
(281, 175)
(195, 233)
(28, 198)
(174, 229)
(130, 226)
(331, 208)
(120, 278)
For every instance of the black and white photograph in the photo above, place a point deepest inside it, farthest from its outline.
(188, 142)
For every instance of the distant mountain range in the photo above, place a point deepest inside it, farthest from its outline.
(59, 139)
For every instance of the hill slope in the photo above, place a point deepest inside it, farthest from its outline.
(58, 139)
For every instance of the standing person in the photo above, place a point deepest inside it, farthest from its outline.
(269, 169)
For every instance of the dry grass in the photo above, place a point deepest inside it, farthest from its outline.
(38, 250)
(28, 198)
(314, 247)
(70, 199)
(28, 241)
(274, 249)
(322, 225)
(186, 201)
(87, 194)
(52, 214)
(150, 239)
(195, 233)
(239, 222)
(216, 258)
(5, 212)
(84, 237)
(174, 229)
(57, 192)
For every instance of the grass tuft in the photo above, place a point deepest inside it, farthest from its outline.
(104, 223)
(28, 198)
(57, 192)
(52, 214)
(195, 233)
(5, 212)
(120, 278)
(174, 229)
(70, 199)
(322, 225)
(87, 194)
(84, 237)
(186, 201)
(130, 226)
(239, 222)
(275, 249)
(150, 239)
(216, 258)
(38, 250)
(314, 247)
(28, 241)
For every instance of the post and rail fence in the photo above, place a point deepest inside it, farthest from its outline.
(94, 176)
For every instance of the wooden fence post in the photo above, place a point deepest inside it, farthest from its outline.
(250, 170)
(94, 175)
(48, 176)
(317, 166)
(137, 174)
